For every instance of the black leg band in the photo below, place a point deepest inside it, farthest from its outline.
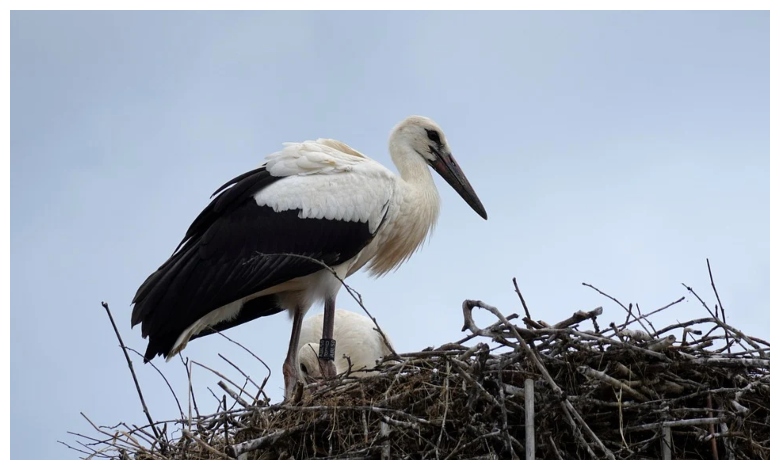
(327, 349)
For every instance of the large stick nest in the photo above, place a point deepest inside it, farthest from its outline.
(691, 390)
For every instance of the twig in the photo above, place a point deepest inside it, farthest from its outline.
(218, 374)
(248, 378)
(206, 446)
(235, 396)
(595, 374)
(132, 371)
(712, 424)
(191, 403)
(681, 422)
(628, 310)
(446, 393)
(522, 300)
(579, 317)
(227, 433)
(504, 417)
(262, 386)
(664, 307)
(717, 296)
(178, 404)
(260, 442)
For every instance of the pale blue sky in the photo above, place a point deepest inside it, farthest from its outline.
(618, 149)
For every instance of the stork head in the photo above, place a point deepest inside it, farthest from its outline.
(308, 362)
(425, 138)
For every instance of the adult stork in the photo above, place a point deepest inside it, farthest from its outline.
(273, 238)
(357, 339)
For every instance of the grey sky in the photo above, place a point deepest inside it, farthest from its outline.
(619, 149)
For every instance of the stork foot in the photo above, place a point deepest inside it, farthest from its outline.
(328, 368)
(292, 382)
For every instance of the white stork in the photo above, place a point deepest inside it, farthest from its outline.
(262, 244)
(357, 338)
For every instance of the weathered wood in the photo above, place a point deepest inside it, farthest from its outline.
(530, 439)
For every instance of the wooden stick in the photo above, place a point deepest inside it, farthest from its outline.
(681, 422)
(530, 445)
(709, 405)
(666, 443)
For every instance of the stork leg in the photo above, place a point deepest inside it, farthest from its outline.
(328, 344)
(290, 367)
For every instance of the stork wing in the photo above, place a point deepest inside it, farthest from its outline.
(257, 233)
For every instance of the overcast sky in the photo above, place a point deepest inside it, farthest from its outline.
(618, 149)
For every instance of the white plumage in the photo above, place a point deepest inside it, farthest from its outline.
(269, 239)
(325, 179)
(356, 338)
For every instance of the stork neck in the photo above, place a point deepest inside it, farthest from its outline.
(414, 213)
(412, 166)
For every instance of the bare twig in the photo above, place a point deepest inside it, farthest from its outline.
(522, 300)
(132, 371)
(206, 446)
(178, 404)
(682, 422)
(717, 296)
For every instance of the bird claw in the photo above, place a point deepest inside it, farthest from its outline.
(328, 368)
(298, 394)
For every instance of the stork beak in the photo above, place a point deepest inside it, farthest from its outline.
(448, 168)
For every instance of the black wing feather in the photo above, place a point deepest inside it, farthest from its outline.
(233, 249)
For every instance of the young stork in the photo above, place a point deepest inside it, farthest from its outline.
(269, 239)
(357, 339)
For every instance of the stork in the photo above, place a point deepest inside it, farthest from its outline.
(273, 238)
(357, 339)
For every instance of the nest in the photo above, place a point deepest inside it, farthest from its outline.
(528, 389)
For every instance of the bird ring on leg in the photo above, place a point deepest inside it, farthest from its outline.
(327, 349)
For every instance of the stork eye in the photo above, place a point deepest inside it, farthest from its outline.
(304, 369)
(434, 136)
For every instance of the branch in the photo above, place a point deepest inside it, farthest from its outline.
(132, 371)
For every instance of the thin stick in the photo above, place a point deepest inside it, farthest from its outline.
(237, 449)
(717, 296)
(206, 446)
(505, 418)
(664, 307)
(248, 378)
(598, 375)
(132, 371)
(265, 380)
(227, 434)
(522, 300)
(235, 396)
(723, 325)
(709, 405)
(628, 310)
(690, 289)
(178, 405)
(191, 403)
(218, 374)
(681, 422)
